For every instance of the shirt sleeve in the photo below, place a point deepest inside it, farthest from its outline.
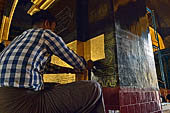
(60, 49)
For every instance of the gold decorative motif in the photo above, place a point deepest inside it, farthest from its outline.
(59, 78)
(38, 5)
(6, 23)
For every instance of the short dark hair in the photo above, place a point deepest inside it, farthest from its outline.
(2, 46)
(42, 16)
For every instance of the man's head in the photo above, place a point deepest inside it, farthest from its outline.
(44, 19)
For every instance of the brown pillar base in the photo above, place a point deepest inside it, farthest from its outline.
(132, 100)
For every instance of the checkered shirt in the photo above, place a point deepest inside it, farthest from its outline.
(22, 62)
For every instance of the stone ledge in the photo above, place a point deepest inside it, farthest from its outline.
(166, 107)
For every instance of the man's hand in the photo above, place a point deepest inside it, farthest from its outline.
(89, 64)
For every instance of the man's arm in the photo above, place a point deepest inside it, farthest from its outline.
(60, 49)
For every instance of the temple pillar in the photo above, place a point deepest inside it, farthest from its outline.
(127, 73)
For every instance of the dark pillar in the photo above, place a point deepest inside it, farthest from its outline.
(82, 20)
(128, 73)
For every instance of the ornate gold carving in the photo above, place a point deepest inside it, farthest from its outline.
(6, 23)
(59, 78)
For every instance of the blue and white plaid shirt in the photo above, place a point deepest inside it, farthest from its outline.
(22, 61)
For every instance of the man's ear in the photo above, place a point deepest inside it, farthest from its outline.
(46, 24)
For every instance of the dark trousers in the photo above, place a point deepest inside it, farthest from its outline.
(77, 97)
